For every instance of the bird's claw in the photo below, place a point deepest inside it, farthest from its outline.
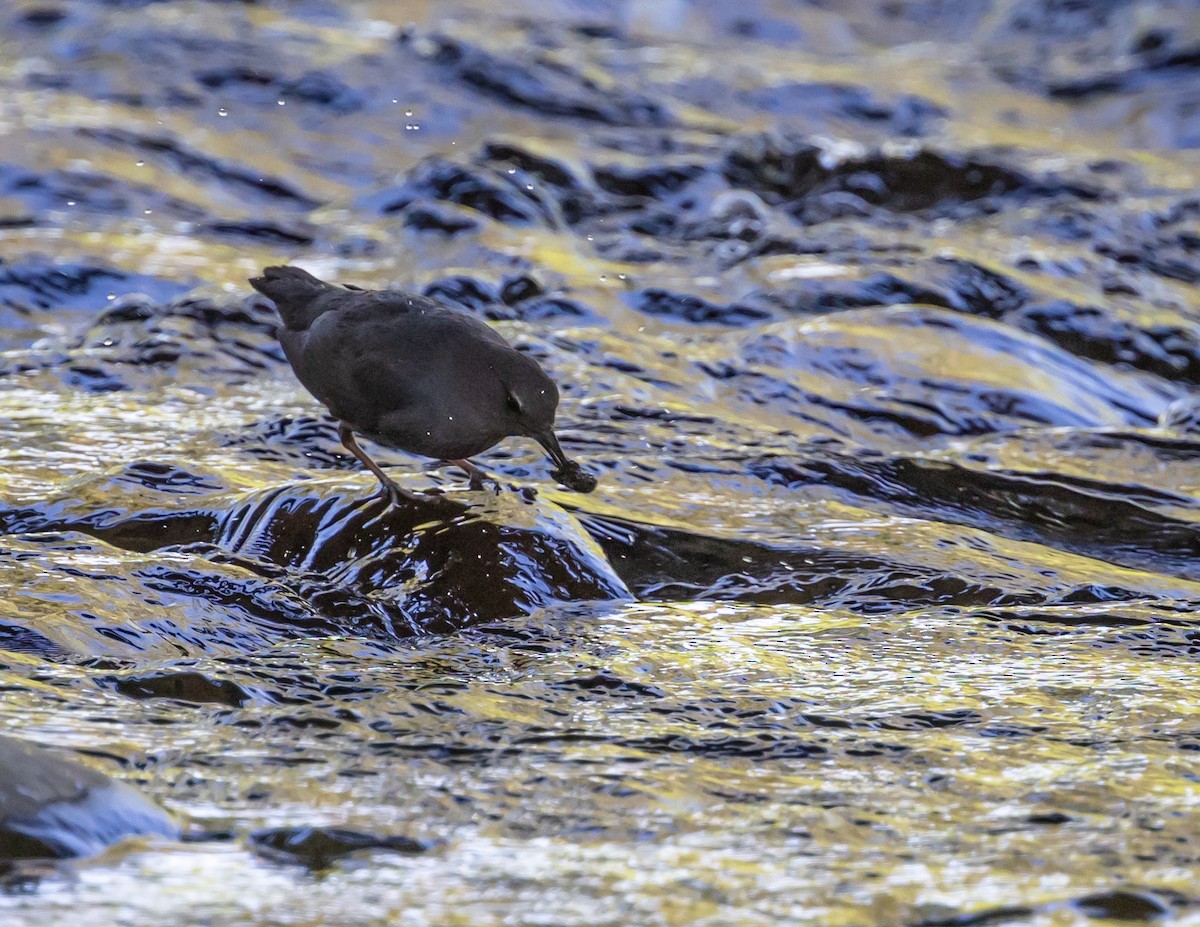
(478, 482)
(393, 492)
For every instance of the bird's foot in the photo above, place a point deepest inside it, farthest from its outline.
(479, 481)
(477, 478)
(396, 494)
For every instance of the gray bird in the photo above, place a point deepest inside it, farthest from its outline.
(411, 374)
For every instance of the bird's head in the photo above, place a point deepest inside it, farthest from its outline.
(531, 399)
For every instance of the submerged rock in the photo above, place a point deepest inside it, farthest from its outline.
(52, 806)
(457, 561)
(221, 572)
(317, 848)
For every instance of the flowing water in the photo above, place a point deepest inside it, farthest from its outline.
(880, 323)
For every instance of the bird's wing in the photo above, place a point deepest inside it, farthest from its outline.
(387, 353)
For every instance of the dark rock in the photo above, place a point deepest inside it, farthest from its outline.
(542, 85)
(1183, 415)
(479, 188)
(520, 288)
(266, 232)
(53, 806)
(137, 343)
(906, 115)
(1120, 524)
(401, 570)
(475, 296)
(688, 308)
(52, 192)
(432, 218)
(647, 182)
(794, 173)
(1123, 905)
(36, 295)
(244, 181)
(317, 848)
(191, 687)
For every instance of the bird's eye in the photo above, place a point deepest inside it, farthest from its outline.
(515, 404)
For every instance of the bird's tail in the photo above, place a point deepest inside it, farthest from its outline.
(296, 294)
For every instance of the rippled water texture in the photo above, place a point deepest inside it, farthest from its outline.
(878, 321)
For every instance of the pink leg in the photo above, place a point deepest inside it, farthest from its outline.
(390, 487)
(476, 478)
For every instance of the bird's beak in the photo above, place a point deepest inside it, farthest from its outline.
(549, 441)
(567, 472)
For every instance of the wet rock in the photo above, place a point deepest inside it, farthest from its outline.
(317, 848)
(1169, 346)
(1183, 415)
(142, 506)
(1118, 523)
(276, 233)
(650, 182)
(475, 296)
(241, 181)
(305, 440)
(479, 188)
(550, 180)
(137, 343)
(664, 564)
(40, 297)
(985, 918)
(164, 604)
(881, 374)
(193, 688)
(540, 84)
(76, 192)
(53, 806)
(811, 185)
(819, 297)
(167, 58)
(46, 17)
(208, 571)
(1123, 905)
(502, 180)
(516, 298)
(441, 566)
(906, 115)
(519, 289)
(428, 217)
(1151, 51)
(265, 88)
(687, 308)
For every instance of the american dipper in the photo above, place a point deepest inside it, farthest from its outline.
(413, 375)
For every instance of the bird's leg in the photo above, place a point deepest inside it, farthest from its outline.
(391, 488)
(477, 478)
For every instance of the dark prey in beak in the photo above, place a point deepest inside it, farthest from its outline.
(567, 472)
(411, 374)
